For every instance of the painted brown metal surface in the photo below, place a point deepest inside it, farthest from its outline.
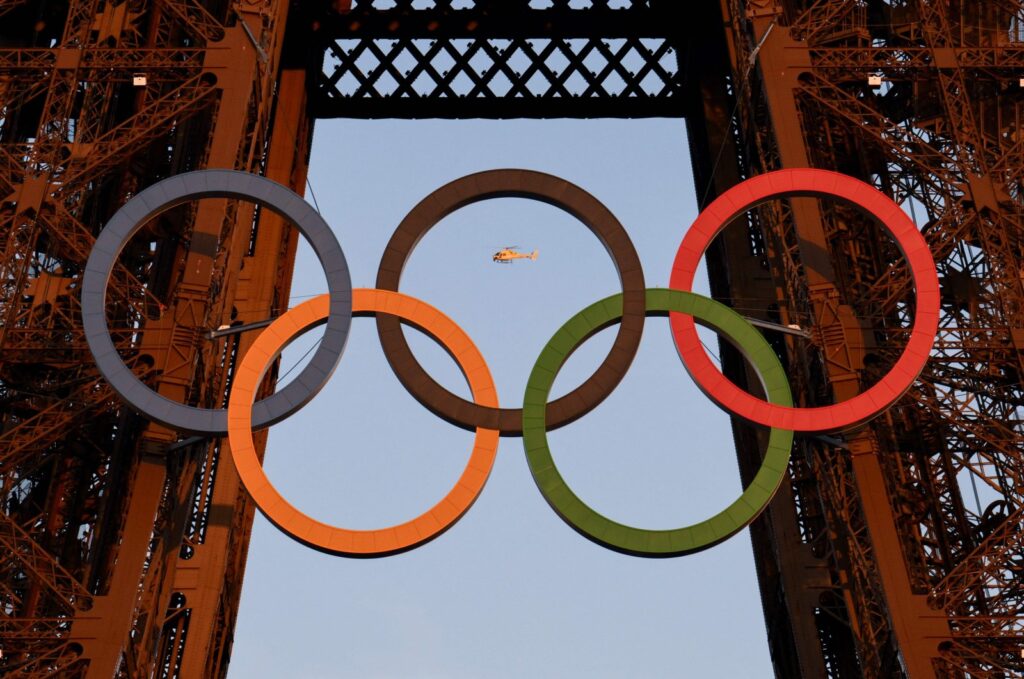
(895, 552)
(123, 549)
(513, 184)
(896, 518)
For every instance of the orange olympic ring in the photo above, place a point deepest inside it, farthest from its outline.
(325, 537)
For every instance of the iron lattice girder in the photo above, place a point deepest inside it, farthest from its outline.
(916, 62)
(19, 547)
(500, 62)
(127, 61)
(30, 442)
(950, 115)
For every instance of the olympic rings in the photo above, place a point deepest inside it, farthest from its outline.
(808, 182)
(519, 184)
(214, 184)
(483, 413)
(639, 541)
(342, 541)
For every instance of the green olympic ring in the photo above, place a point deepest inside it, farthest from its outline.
(640, 541)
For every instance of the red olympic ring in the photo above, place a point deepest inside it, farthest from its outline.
(817, 183)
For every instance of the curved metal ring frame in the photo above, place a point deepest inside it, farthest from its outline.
(175, 191)
(513, 184)
(344, 541)
(641, 541)
(817, 183)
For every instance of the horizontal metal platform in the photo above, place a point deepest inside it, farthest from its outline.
(497, 60)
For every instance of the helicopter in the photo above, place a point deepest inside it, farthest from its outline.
(509, 253)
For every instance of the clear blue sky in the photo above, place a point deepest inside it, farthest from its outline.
(509, 591)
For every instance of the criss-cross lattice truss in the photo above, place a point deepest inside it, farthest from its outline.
(454, 60)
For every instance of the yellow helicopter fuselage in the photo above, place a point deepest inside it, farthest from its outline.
(507, 255)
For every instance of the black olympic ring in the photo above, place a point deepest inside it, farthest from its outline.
(175, 191)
